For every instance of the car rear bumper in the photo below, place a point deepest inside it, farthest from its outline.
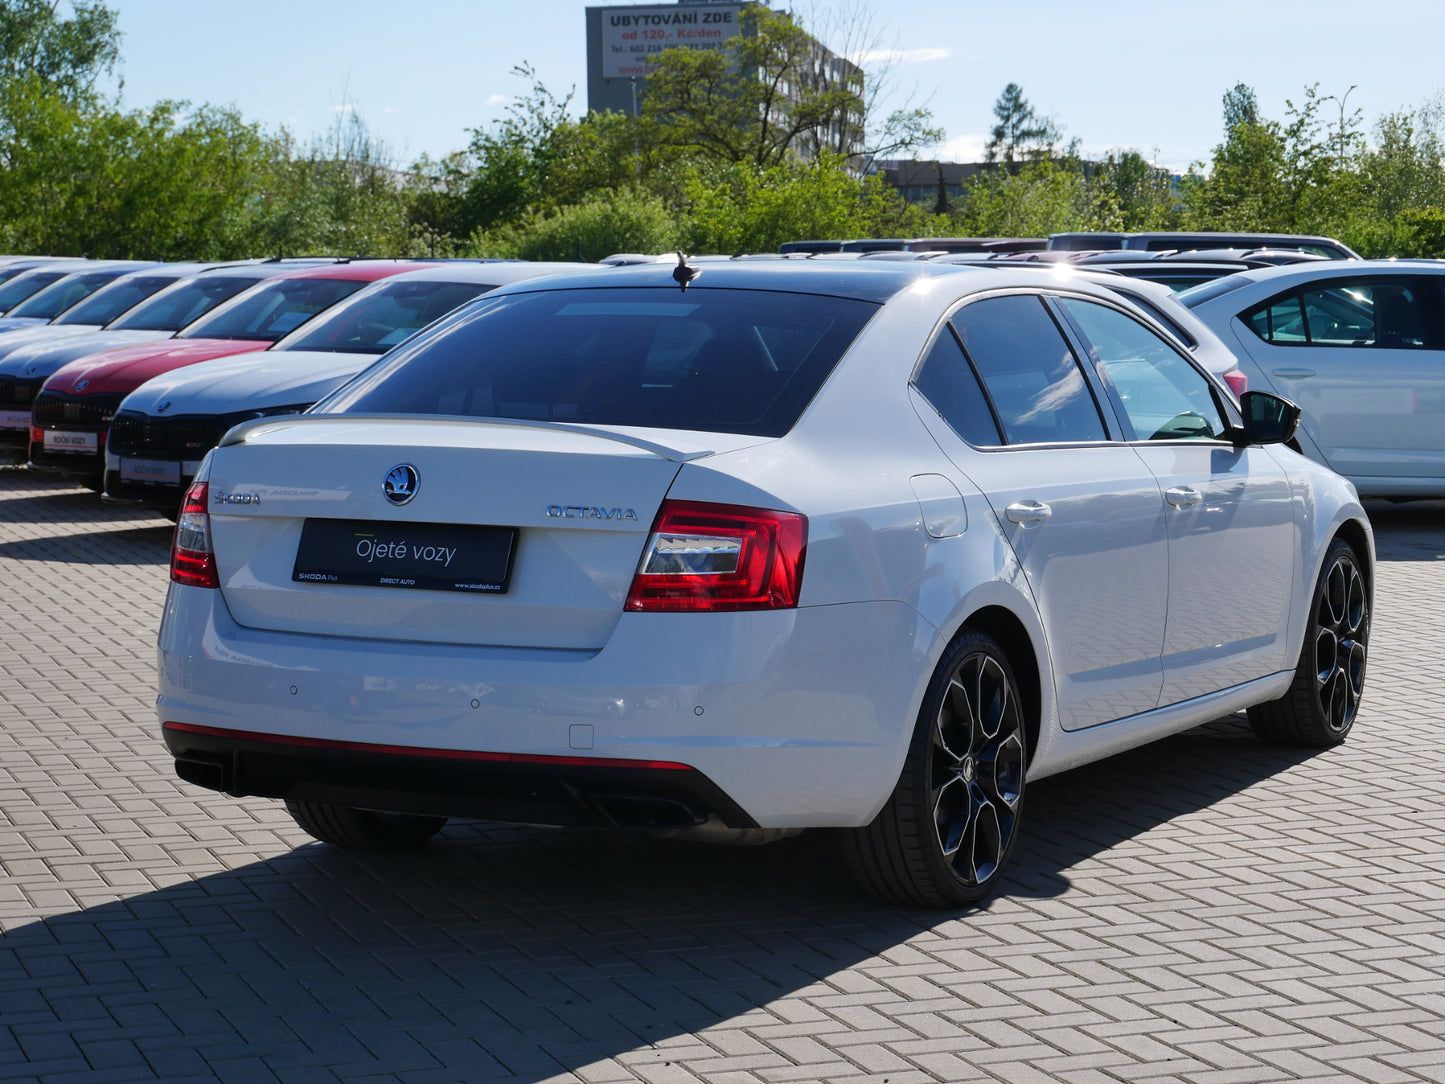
(570, 790)
(784, 718)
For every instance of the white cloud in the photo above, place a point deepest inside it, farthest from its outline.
(963, 148)
(499, 99)
(347, 108)
(900, 56)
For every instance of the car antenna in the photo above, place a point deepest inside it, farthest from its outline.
(683, 273)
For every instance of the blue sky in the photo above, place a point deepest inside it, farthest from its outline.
(1145, 74)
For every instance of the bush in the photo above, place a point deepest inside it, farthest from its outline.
(605, 223)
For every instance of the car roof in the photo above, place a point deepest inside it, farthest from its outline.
(1283, 276)
(488, 272)
(864, 280)
(355, 271)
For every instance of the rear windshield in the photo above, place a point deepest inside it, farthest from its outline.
(374, 322)
(733, 361)
(273, 310)
(1198, 295)
(182, 303)
(50, 302)
(115, 299)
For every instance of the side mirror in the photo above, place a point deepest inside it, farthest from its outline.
(1268, 419)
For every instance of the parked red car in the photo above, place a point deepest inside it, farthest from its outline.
(72, 412)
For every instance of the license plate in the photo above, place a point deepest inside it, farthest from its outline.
(58, 440)
(14, 419)
(161, 471)
(431, 556)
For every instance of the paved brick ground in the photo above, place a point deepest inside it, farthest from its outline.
(1207, 910)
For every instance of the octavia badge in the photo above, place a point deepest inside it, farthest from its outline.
(401, 483)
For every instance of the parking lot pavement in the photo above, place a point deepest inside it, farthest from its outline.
(1207, 909)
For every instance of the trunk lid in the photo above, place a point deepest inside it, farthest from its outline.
(580, 499)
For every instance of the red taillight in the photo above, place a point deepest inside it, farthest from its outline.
(192, 560)
(1237, 382)
(37, 435)
(720, 557)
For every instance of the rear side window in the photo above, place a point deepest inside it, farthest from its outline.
(735, 361)
(1383, 313)
(1033, 380)
(948, 382)
(273, 310)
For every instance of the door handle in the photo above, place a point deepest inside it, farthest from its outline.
(1293, 374)
(1028, 513)
(1183, 496)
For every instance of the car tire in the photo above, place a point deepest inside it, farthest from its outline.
(355, 829)
(945, 834)
(1324, 697)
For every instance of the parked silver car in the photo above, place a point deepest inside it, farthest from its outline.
(1360, 347)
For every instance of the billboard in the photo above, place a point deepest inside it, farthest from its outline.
(632, 35)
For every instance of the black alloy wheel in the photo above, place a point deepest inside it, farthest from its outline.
(1324, 697)
(945, 834)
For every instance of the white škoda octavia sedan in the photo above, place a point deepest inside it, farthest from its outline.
(857, 546)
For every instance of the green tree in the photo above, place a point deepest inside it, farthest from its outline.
(67, 56)
(768, 96)
(624, 220)
(745, 208)
(1240, 106)
(537, 157)
(166, 183)
(1244, 189)
(1131, 192)
(1019, 134)
(1042, 197)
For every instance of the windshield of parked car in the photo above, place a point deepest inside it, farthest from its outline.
(115, 299)
(272, 310)
(734, 361)
(50, 302)
(22, 286)
(184, 302)
(8, 273)
(375, 321)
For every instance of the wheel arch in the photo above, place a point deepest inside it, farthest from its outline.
(1355, 533)
(1005, 627)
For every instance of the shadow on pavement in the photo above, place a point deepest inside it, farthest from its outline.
(1409, 530)
(516, 953)
(126, 546)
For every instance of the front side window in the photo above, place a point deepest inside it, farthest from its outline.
(1362, 313)
(1034, 382)
(1162, 395)
(733, 361)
